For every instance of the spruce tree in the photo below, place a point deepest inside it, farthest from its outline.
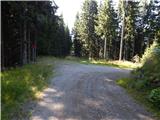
(87, 30)
(130, 29)
(106, 27)
(76, 38)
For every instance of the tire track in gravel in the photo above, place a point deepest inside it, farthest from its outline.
(87, 92)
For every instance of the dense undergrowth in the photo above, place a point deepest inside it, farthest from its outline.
(22, 84)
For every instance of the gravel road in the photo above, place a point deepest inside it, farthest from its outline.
(87, 92)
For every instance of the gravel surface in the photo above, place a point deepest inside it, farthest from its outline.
(87, 92)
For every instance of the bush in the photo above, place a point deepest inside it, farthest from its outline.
(145, 82)
(154, 97)
(146, 79)
(148, 52)
(148, 75)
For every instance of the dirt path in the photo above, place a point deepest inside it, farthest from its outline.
(87, 92)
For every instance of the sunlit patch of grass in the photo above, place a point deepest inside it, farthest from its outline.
(77, 59)
(116, 63)
(84, 62)
(72, 58)
(22, 84)
(140, 95)
(111, 63)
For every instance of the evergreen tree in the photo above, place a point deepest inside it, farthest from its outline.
(128, 15)
(76, 39)
(147, 25)
(130, 29)
(87, 30)
(106, 27)
(30, 29)
(151, 20)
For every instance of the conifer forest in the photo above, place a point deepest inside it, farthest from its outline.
(30, 29)
(102, 64)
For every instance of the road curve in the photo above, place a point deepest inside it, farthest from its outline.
(87, 92)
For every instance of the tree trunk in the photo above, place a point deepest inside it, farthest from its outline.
(29, 47)
(105, 42)
(2, 51)
(25, 44)
(121, 42)
(21, 45)
(34, 48)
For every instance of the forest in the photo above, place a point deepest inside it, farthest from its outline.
(116, 33)
(35, 40)
(30, 29)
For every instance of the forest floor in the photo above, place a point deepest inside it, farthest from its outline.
(86, 92)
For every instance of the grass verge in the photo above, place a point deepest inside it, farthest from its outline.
(140, 95)
(115, 63)
(23, 84)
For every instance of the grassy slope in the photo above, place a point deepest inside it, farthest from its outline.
(22, 84)
(140, 95)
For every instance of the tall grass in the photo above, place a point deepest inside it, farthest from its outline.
(20, 85)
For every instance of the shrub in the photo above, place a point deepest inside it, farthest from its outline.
(150, 52)
(154, 96)
(149, 75)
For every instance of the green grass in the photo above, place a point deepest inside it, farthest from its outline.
(23, 84)
(140, 95)
(119, 64)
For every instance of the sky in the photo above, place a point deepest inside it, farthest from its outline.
(69, 9)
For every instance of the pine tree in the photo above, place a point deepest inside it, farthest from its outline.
(151, 20)
(130, 28)
(87, 30)
(128, 14)
(76, 39)
(106, 27)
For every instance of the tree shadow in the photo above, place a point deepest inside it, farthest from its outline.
(95, 98)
